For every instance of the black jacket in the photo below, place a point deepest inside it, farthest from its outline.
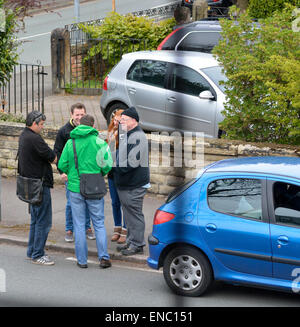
(34, 157)
(62, 137)
(132, 164)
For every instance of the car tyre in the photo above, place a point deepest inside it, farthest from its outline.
(187, 271)
(116, 106)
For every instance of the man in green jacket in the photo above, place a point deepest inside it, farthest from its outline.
(94, 156)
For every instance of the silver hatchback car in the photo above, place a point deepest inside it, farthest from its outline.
(172, 91)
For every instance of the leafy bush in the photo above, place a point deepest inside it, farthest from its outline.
(8, 46)
(262, 63)
(143, 33)
(11, 117)
(263, 9)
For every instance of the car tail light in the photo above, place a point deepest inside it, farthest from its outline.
(167, 37)
(104, 87)
(188, 1)
(161, 217)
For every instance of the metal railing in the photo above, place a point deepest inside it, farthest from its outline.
(24, 91)
(218, 12)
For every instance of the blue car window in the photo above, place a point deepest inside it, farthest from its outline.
(236, 196)
(286, 203)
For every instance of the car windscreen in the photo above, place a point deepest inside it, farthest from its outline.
(216, 75)
(199, 41)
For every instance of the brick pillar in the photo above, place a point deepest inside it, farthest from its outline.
(60, 59)
(200, 8)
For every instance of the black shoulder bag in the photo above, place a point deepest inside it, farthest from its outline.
(30, 190)
(92, 186)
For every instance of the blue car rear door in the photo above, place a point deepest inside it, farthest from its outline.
(284, 210)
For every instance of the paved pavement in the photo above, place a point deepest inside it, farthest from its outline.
(14, 225)
(15, 221)
(57, 109)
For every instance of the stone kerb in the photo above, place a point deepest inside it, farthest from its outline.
(173, 160)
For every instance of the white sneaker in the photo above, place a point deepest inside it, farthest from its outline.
(69, 237)
(44, 260)
(90, 235)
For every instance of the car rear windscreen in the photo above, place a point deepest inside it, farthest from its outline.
(199, 41)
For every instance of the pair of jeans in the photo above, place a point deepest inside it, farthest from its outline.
(69, 220)
(40, 225)
(116, 204)
(95, 208)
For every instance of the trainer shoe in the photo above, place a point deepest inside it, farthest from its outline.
(105, 263)
(69, 236)
(82, 265)
(122, 247)
(44, 260)
(132, 251)
(89, 234)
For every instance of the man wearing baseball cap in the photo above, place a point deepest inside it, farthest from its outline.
(132, 178)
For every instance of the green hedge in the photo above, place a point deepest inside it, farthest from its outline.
(140, 30)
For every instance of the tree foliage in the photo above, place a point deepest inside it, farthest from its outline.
(262, 63)
(12, 13)
(23, 7)
(263, 9)
(8, 55)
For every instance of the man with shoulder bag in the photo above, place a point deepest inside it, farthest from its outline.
(85, 159)
(34, 168)
(77, 111)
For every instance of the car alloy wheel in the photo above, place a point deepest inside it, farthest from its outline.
(187, 272)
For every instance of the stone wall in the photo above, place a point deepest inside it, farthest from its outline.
(171, 162)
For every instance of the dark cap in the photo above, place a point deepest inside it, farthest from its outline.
(131, 112)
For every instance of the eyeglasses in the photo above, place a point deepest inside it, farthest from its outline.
(125, 119)
(38, 116)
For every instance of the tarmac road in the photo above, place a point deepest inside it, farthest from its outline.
(123, 285)
(36, 36)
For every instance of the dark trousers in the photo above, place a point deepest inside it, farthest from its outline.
(132, 205)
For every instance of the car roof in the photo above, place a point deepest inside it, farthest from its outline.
(192, 59)
(283, 166)
(202, 26)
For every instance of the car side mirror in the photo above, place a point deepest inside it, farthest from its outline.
(206, 95)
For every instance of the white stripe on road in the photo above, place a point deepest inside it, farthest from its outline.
(165, 4)
(117, 266)
(32, 36)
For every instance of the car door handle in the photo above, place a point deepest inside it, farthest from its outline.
(282, 240)
(172, 99)
(132, 90)
(211, 228)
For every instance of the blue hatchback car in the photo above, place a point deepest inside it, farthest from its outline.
(238, 221)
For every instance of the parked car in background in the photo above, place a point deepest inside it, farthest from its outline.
(199, 36)
(215, 7)
(170, 90)
(238, 221)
